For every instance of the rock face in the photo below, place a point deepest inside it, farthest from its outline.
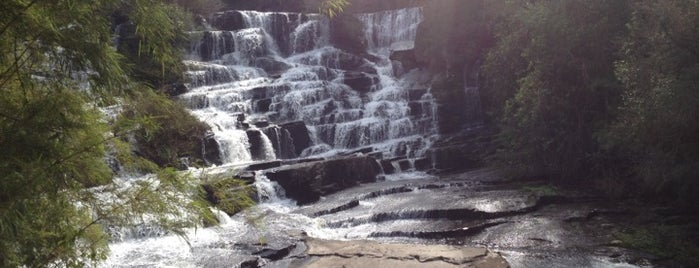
(463, 151)
(307, 182)
(347, 33)
(298, 132)
(406, 57)
(374, 254)
(211, 150)
(360, 81)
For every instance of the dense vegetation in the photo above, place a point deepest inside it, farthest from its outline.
(59, 69)
(600, 92)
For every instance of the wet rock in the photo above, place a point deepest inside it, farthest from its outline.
(299, 134)
(252, 263)
(215, 44)
(264, 165)
(416, 94)
(257, 149)
(211, 150)
(374, 254)
(404, 165)
(463, 151)
(262, 106)
(359, 81)
(282, 142)
(347, 33)
(423, 164)
(307, 182)
(387, 167)
(271, 66)
(406, 57)
(228, 194)
(231, 20)
(275, 254)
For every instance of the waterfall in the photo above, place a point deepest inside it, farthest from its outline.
(391, 28)
(271, 86)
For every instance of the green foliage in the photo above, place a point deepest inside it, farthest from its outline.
(663, 241)
(598, 89)
(164, 130)
(228, 194)
(57, 64)
(657, 130)
(566, 88)
(332, 8)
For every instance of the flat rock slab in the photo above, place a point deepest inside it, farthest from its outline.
(364, 253)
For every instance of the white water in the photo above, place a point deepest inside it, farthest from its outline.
(308, 87)
(310, 90)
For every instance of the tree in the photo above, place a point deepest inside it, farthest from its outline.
(57, 66)
(565, 88)
(657, 130)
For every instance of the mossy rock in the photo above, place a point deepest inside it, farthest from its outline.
(230, 195)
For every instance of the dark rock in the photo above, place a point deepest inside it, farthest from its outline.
(307, 182)
(211, 150)
(463, 151)
(423, 164)
(257, 149)
(271, 66)
(282, 142)
(375, 155)
(405, 165)
(176, 89)
(231, 20)
(252, 263)
(406, 57)
(275, 254)
(215, 44)
(347, 33)
(261, 124)
(415, 108)
(264, 165)
(266, 92)
(360, 82)
(299, 134)
(387, 167)
(246, 176)
(262, 106)
(416, 94)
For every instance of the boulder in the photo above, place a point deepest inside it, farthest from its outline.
(281, 141)
(365, 253)
(347, 33)
(177, 89)
(388, 167)
(230, 195)
(299, 134)
(271, 66)
(307, 182)
(257, 149)
(406, 57)
(359, 81)
(231, 20)
(211, 151)
(215, 44)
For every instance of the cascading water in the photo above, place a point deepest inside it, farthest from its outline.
(271, 86)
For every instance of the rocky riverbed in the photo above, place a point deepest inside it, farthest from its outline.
(462, 219)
